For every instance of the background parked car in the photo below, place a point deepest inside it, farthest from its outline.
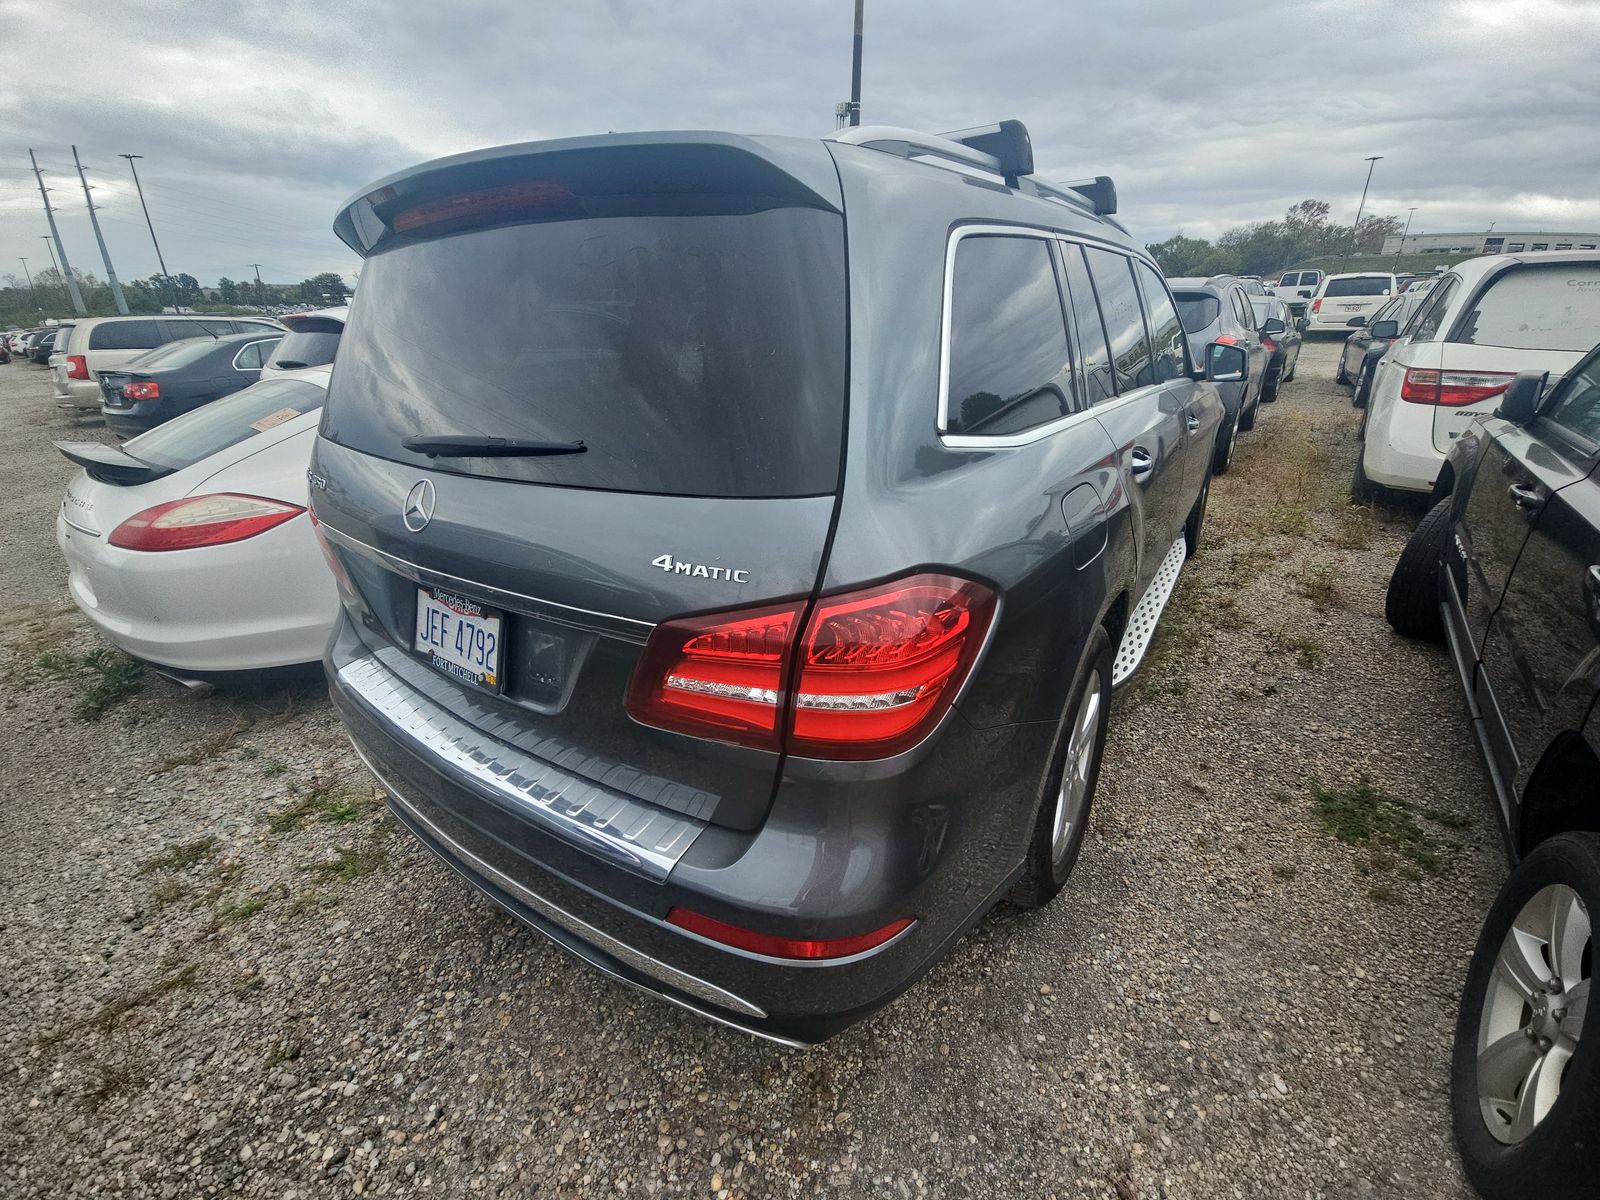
(1295, 289)
(1363, 348)
(226, 486)
(41, 345)
(1281, 335)
(1485, 320)
(107, 343)
(1340, 299)
(1504, 570)
(181, 376)
(1219, 310)
(312, 339)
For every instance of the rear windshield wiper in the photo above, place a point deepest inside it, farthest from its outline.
(468, 446)
(290, 364)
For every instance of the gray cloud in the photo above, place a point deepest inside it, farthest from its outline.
(256, 122)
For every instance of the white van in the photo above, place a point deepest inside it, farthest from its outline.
(1346, 302)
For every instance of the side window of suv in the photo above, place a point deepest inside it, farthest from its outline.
(1579, 409)
(1425, 327)
(1092, 347)
(124, 335)
(1166, 330)
(1119, 302)
(1010, 366)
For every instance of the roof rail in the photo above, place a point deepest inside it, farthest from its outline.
(1002, 149)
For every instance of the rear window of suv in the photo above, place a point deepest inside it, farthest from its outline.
(1197, 309)
(1544, 307)
(1374, 285)
(310, 342)
(691, 353)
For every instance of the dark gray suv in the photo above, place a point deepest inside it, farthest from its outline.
(738, 600)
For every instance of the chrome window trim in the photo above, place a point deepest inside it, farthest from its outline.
(970, 441)
(630, 627)
(246, 346)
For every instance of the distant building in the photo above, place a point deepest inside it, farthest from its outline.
(1470, 244)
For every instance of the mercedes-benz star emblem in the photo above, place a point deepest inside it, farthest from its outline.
(419, 506)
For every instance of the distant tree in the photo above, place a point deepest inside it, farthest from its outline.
(1373, 230)
(329, 284)
(1180, 255)
(229, 290)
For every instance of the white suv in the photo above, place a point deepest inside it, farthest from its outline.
(1343, 303)
(1484, 321)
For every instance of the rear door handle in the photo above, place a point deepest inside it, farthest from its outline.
(1526, 497)
(1142, 463)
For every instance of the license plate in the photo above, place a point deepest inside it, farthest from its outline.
(1350, 307)
(459, 637)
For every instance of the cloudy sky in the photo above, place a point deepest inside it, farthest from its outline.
(257, 120)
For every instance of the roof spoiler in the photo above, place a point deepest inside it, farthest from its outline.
(108, 464)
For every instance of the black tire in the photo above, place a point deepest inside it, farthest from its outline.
(1195, 524)
(1363, 386)
(1043, 873)
(1269, 387)
(1338, 375)
(1227, 438)
(1560, 1156)
(1293, 367)
(1412, 604)
(1247, 416)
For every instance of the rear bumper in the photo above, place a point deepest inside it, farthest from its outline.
(804, 873)
(78, 393)
(131, 422)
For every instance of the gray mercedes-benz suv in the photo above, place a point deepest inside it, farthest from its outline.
(738, 600)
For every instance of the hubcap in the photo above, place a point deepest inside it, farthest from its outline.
(1533, 1014)
(1074, 794)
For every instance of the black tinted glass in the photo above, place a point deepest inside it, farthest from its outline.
(1198, 310)
(305, 350)
(1366, 286)
(124, 335)
(1010, 368)
(1166, 330)
(699, 354)
(187, 439)
(1119, 301)
(1091, 332)
(1579, 406)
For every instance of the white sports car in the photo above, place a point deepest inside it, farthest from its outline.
(190, 546)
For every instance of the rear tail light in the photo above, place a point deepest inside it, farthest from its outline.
(1272, 346)
(876, 669)
(491, 204)
(201, 521)
(781, 947)
(141, 390)
(1227, 339)
(77, 366)
(1316, 305)
(1452, 389)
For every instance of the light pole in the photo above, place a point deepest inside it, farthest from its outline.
(150, 225)
(32, 291)
(51, 246)
(1411, 212)
(1372, 161)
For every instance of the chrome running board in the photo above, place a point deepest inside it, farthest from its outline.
(1142, 620)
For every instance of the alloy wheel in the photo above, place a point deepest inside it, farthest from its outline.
(1534, 1012)
(1073, 797)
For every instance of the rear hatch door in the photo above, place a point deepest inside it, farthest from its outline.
(672, 317)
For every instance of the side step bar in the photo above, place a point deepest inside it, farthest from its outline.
(1142, 620)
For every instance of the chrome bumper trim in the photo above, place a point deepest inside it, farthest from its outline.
(631, 833)
(467, 864)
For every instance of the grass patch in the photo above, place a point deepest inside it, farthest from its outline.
(1319, 586)
(112, 1077)
(111, 675)
(180, 857)
(273, 768)
(325, 803)
(202, 750)
(1284, 871)
(1354, 530)
(108, 1015)
(1307, 653)
(1385, 827)
(1290, 519)
(352, 863)
(238, 914)
(281, 1052)
(168, 891)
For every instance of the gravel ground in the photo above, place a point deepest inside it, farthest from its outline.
(224, 969)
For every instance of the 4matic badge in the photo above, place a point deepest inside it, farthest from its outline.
(678, 567)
